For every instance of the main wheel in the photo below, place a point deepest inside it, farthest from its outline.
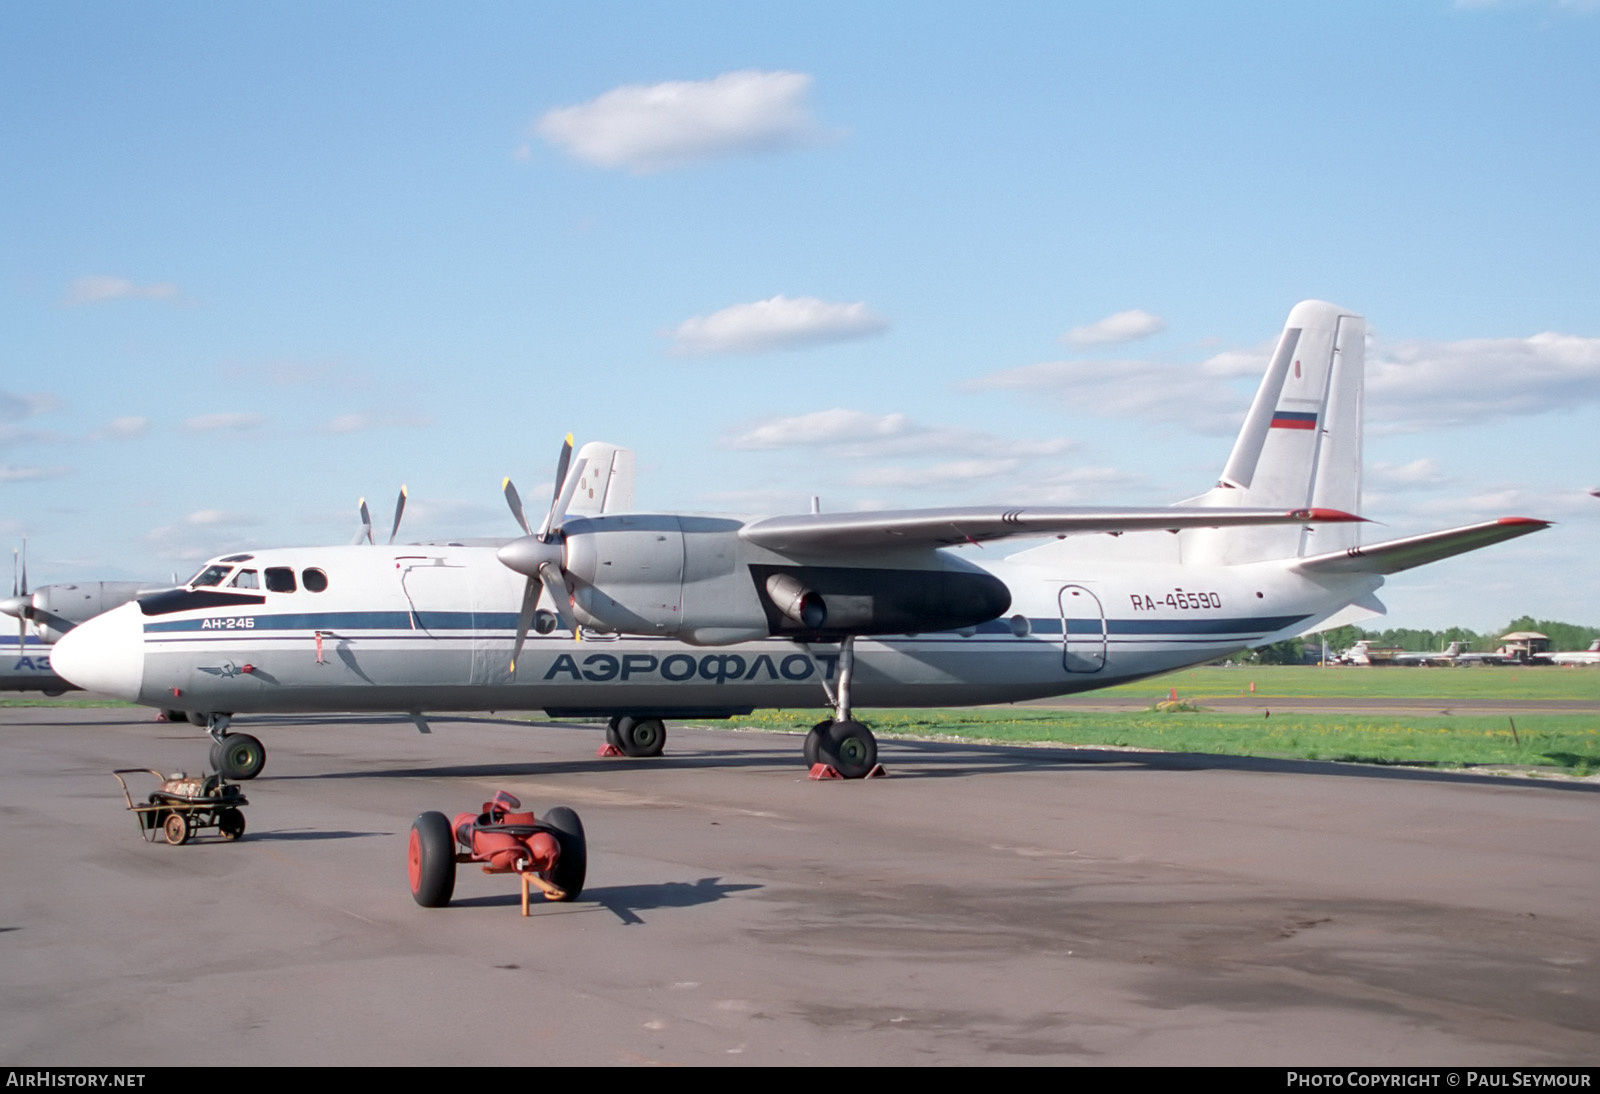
(613, 737)
(230, 822)
(195, 718)
(813, 746)
(240, 757)
(175, 715)
(431, 860)
(641, 736)
(850, 748)
(573, 865)
(176, 829)
(216, 755)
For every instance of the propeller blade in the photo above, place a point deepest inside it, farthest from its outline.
(558, 514)
(24, 565)
(365, 531)
(551, 576)
(550, 520)
(530, 601)
(399, 508)
(514, 500)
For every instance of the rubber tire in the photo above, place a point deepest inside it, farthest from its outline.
(215, 756)
(813, 745)
(850, 749)
(431, 860)
(573, 866)
(176, 829)
(230, 822)
(241, 757)
(175, 715)
(613, 737)
(641, 736)
(195, 718)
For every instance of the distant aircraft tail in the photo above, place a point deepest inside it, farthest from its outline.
(607, 486)
(1300, 446)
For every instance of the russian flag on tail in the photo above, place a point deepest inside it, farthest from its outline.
(1294, 419)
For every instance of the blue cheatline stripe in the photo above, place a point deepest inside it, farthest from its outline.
(478, 622)
(349, 621)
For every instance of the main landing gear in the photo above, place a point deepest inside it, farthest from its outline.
(636, 736)
(841, 742)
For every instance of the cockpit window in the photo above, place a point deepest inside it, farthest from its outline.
(280, 579)
(244, 579)
(211, 575)
(314, 580)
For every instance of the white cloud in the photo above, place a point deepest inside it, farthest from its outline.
(646, 128)
(942, 474)
(1417, 384)
(356, 422)
(12, 473)
(1129, 389)
(1123, 326)
(207, 517)
(856, 434)
(126, 428)
(1419, 474)
(205, 423)
(780, 323)
(96, 289)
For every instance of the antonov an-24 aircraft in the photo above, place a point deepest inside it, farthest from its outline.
(661, 615)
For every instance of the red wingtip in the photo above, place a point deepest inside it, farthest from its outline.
(1523, 520)
(1326, 516)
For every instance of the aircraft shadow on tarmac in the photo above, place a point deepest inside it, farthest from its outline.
(627, 901)
(947, 760)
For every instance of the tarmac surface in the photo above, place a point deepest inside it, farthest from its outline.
(980, 905)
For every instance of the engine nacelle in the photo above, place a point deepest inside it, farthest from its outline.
(695, 579)
(56, 609)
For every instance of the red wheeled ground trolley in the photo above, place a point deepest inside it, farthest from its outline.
(548, 853)
(183, 805)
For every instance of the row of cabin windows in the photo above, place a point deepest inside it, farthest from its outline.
(279, 579)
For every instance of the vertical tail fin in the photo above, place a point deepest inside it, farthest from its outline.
(608, 474)
(1300, 445)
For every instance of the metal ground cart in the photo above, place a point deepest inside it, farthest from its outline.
(183, 805)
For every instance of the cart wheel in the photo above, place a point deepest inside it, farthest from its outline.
(176, 829)
(241, 757)
(431, 860)
(230, 822)
(573, 864)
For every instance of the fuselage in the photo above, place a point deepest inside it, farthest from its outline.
(27, 667)
(421, 628)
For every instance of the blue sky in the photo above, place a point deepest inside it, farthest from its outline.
(257, 261)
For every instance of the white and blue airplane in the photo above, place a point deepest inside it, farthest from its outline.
(650, 616)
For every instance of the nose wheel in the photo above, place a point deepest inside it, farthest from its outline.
(237, 757)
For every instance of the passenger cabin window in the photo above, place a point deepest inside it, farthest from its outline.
(314, 580)
(211, 575)
(244, 579)
(280, 579)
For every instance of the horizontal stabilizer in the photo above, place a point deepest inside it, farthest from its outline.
(927, 528)
(1403, 554)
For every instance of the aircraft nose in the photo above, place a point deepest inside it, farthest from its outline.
(105, 654)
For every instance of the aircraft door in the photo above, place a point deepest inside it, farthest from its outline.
(1083, 630)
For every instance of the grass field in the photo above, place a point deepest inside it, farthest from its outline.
(1476, 682)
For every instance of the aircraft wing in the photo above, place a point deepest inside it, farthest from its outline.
(900, 529)
(1403, 554)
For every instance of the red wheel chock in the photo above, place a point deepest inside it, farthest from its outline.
(822, 772)
(608, 750)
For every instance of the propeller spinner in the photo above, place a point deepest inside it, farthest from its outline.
(541, 555)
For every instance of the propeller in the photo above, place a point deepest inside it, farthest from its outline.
(539, 555)
(365, 531)
(19, 604)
